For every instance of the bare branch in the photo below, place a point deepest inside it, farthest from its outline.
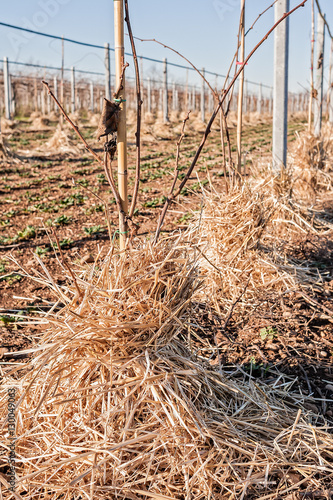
(91, 151)
(216, 110)
(138, 113)
(175, 177)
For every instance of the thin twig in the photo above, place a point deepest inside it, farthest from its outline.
(138, 113)
(105, 207)
(64, 263)
(175, 178)
(120, 87)
(261, 14)
(216, 110)
(223, 150)
(183, 57)
(91, 151)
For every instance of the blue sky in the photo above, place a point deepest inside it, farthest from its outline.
(205, 31)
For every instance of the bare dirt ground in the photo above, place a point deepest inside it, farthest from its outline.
(50, 188)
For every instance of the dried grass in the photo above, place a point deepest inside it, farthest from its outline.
(40, 123)
(312, 161)
(113, 404)
(5, 152)
(246, 242)
(8, 125)
(61, 142)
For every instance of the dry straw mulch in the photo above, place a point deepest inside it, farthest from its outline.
(61, 142)
(114, 405)
(246, 240)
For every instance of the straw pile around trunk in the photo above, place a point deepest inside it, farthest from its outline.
(312, 162)
(246, 243)
(40, 123)
(115, 404)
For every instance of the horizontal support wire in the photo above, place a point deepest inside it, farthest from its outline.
(55, 37)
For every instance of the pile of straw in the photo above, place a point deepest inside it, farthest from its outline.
(114, 404)
(40, 123)
(7, 125)
(312, 162)
(5, 152)
(246, 241)
(61, 142)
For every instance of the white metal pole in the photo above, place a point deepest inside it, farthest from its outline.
(280, 90)
(203, 96)
(92, 104)
(7, 88)
(149, 95)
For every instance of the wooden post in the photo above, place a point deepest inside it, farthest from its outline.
(240, 88)
(92, 104)
(72, 89)
(107, 72)
(141, 73)
(330, 87)
(7, 88)
(202, 104)
(48, 97)
(311, 67)
(259, 106)
(165, 93)
(149, 95)
(318, 103)
(280, 99)
(121, 133)
(12, 97)
(193, 98)
(186, 92)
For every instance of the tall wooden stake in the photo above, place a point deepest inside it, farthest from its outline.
(318, 104)
(241, 88)
(280, 98)
(121, 133)
(107, 72)
(311, 67)
(7, 88)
